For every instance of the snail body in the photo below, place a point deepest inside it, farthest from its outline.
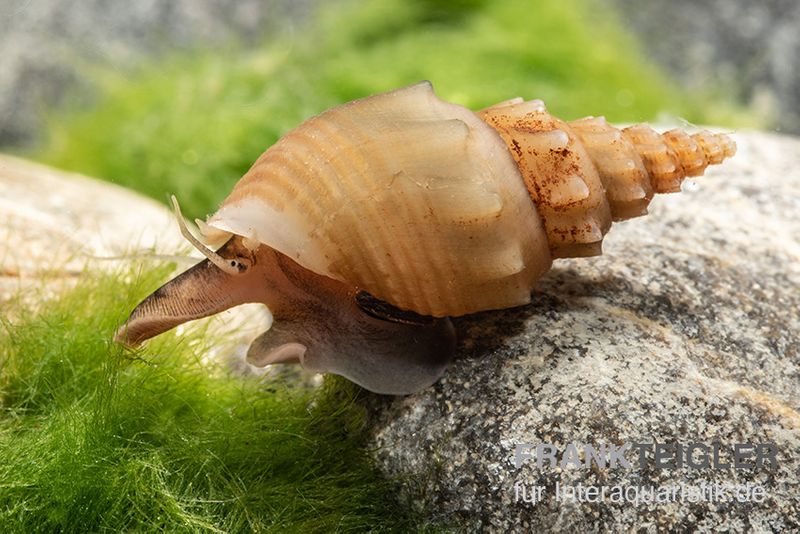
(399, 210)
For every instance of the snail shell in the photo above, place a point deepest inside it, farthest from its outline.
(365, 224)
(421, 203)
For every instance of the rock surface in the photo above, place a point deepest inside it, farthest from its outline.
(686, 330)
(56, 227)
(52, 223)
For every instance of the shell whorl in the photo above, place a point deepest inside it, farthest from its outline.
(585, 173)
(403, 195)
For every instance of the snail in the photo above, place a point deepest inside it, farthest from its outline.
(366, 227)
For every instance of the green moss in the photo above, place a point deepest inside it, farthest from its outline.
(93, 437)
(193, 125)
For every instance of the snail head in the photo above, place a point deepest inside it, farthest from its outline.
(321, 323)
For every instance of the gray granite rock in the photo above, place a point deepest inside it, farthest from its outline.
(686, 330)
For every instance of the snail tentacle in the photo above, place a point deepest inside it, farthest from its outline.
(233, 266)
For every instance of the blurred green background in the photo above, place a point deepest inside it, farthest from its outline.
(93, 438)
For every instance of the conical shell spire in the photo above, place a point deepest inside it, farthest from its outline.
(583, 174)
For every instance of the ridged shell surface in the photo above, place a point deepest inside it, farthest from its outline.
(408, 197)
(583, 174)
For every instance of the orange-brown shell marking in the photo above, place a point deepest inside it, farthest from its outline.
(585, 173)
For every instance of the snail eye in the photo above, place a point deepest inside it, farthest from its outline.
(240, 264)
